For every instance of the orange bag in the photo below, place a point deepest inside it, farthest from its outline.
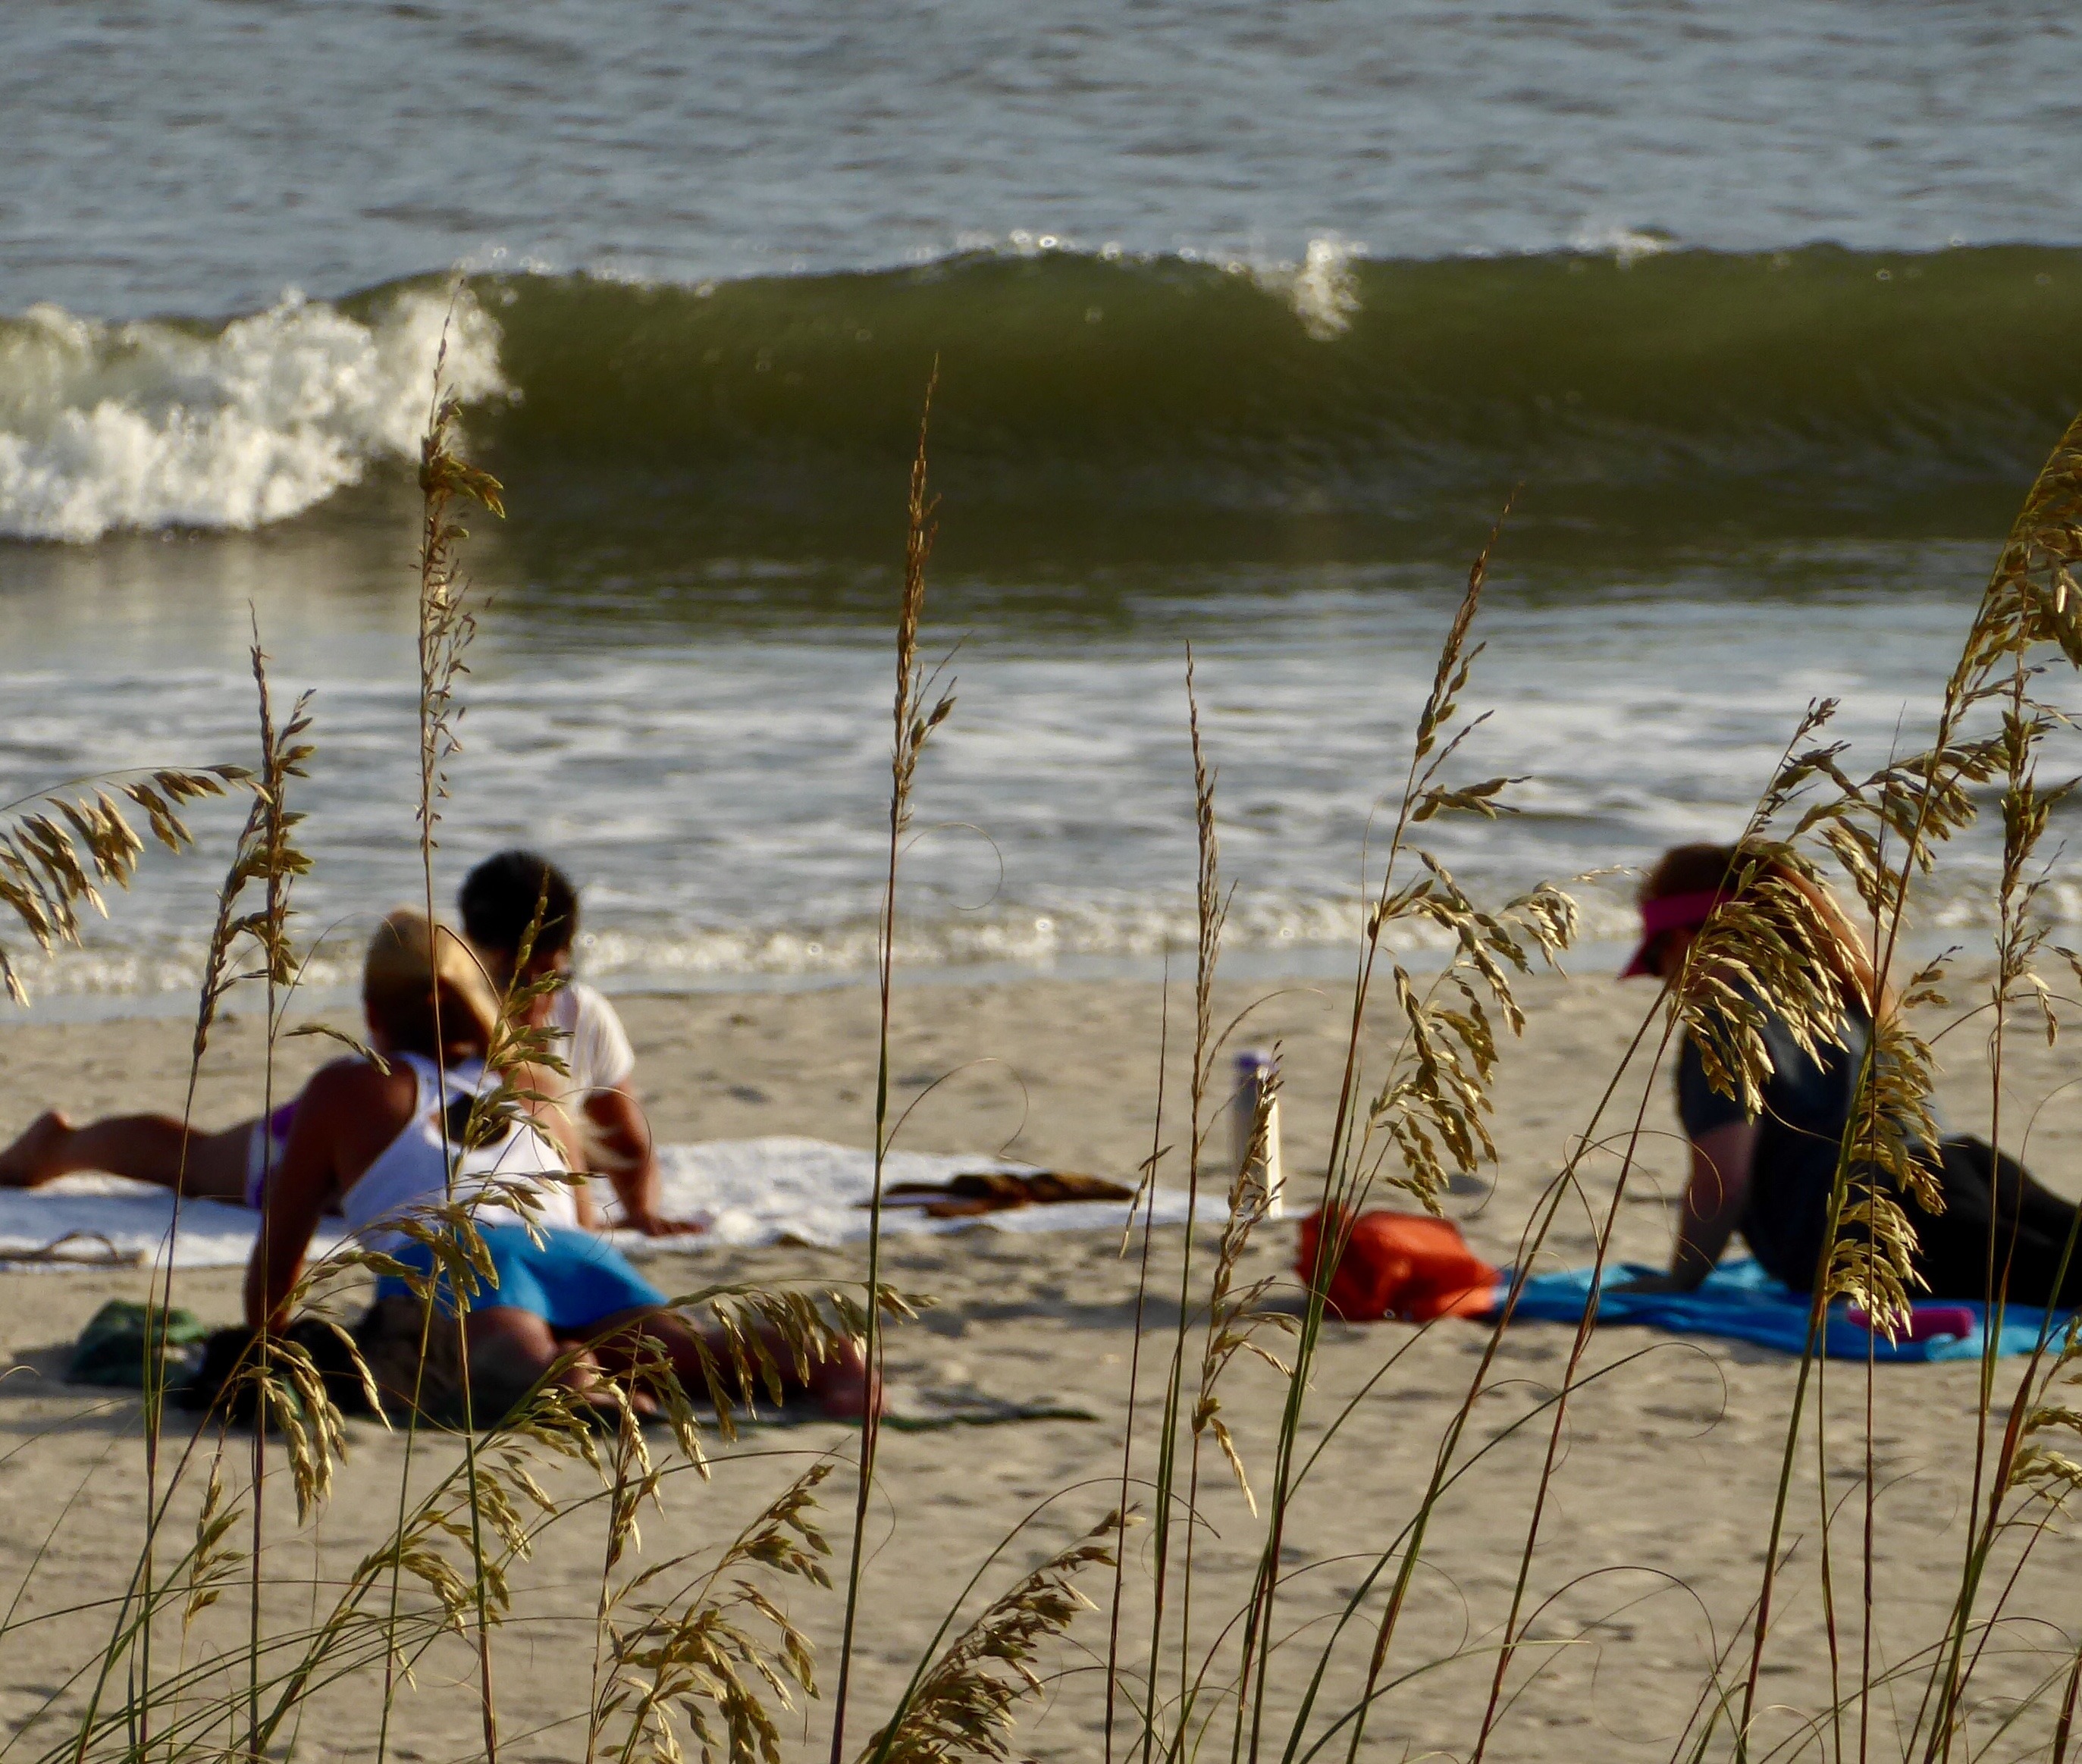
(1409, 1265)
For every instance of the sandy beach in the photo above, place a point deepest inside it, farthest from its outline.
(1654, 1531)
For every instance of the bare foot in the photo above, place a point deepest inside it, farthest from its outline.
(587, 1381)
(28, 1163)
(840, 1386)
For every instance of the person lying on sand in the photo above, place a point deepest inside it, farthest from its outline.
(378, 1143)
(499, 900)
(1769, 1176)
(235, 1164)
(230, 1164)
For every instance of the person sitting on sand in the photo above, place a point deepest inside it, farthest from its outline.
(1770, 1176)
(377, 1140)
(499, 900)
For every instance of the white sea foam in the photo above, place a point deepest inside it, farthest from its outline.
(1627, 244)
(715, 794)
(149, 425)
(1322, 288)
(1264, 930)
(1038, 936)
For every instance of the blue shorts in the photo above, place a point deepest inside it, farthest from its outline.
(571, 1279)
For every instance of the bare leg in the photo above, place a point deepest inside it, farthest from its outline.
(838, 1386)
(146, 1148)
(511, 1349)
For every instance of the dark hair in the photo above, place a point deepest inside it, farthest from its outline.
(1737, 870)
(499, 898)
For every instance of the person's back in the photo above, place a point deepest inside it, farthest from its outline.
(427, 1163)
(1807, 1101)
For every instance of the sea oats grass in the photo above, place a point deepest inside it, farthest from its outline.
(918, 708)
(447, 621)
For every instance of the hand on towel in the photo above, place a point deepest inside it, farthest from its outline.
(1651, 1283)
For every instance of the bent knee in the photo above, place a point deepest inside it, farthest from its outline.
(510, 1351)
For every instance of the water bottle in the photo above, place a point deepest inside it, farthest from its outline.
(1257, 1070)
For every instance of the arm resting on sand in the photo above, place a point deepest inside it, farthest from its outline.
(623, 1150)
(1714, 1197)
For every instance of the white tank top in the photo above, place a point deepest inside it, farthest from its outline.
(412, 1170)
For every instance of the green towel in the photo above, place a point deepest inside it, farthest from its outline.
(113, 1348)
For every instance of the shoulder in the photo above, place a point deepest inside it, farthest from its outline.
(347, 1113)
(588, 1003)
(355, 1086)
(600, 1057)
(594, 1019)
(578, 1009)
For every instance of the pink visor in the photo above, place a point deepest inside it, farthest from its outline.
(1672, 912)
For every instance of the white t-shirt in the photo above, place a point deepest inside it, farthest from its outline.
(591, 1040)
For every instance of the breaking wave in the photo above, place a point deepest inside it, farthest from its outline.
(167, 425)
(1092, 384)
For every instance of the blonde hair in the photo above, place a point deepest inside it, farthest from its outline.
(424, 988)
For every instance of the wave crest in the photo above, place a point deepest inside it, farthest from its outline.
(151, 425)
(1323, 288)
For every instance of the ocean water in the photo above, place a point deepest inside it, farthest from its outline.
(1246, 328)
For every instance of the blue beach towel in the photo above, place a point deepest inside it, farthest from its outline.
(1738, 1300)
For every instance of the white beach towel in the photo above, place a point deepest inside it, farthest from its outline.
(751, 1191)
